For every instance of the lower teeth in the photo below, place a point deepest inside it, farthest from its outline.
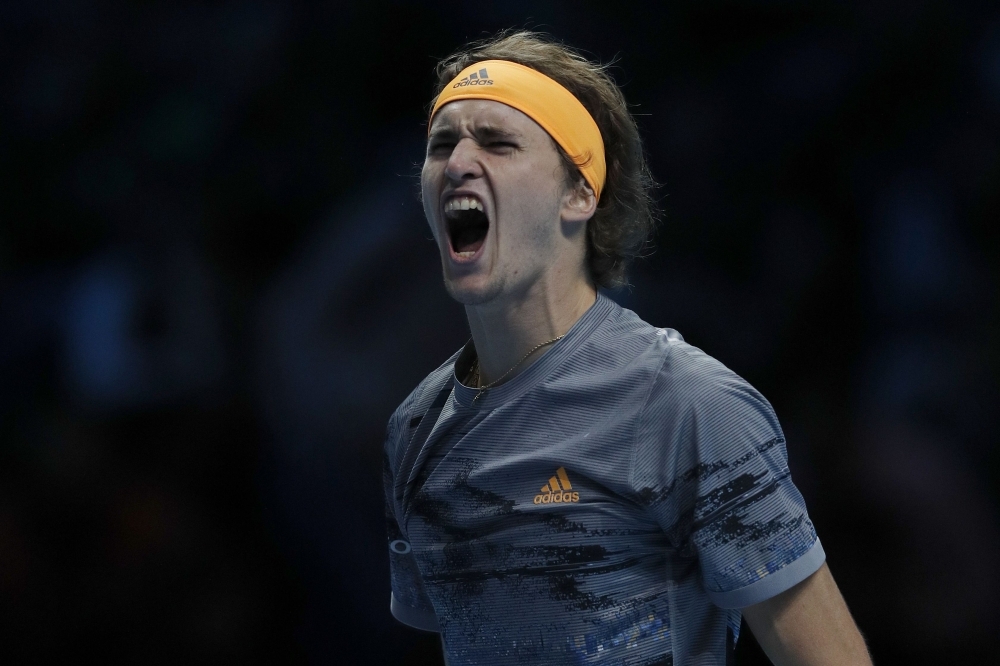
(465, 255)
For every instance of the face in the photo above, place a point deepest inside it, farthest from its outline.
(495, 195)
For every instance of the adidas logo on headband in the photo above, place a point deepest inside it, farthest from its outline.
(480, 78)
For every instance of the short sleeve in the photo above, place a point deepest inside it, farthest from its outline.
(409, 603)
(720, 485)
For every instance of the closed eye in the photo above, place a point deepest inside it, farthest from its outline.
(440, 146)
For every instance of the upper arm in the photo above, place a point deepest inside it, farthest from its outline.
(714, 456)
(808, 624)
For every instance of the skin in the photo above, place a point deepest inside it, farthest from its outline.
(808, 624)
(529, 284)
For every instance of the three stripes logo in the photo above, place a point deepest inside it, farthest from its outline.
(480, 78)
(558, 490)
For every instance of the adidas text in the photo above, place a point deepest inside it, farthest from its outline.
(556, 498)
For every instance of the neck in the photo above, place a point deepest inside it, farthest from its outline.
(508, 328)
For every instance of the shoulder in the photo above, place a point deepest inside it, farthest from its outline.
(649, 366)
(676, 371)
(698, 410)
(670, 373)
(418, 402)
(624, 341)
(694, 382)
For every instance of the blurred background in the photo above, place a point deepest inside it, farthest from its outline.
(216, 284)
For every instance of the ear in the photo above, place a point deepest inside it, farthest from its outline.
(579, 203)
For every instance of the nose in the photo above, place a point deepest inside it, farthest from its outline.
(463, 163)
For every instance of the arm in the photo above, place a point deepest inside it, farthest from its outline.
(808, 624)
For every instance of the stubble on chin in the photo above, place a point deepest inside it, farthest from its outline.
(474, 296)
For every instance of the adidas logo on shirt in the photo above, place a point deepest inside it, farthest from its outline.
(480, 78)
(557, 490)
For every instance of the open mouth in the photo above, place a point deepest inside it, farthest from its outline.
(467, 225)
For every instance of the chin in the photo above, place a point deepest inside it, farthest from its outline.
(467, 293)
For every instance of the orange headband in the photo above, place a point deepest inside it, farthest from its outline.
(541, 99)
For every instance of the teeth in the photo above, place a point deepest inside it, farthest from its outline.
(463, 203)
(465, 255)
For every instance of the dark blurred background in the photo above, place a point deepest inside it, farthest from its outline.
(216, 284)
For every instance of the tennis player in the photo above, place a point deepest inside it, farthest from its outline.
(576, 486)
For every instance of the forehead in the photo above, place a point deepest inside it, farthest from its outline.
(477, 113)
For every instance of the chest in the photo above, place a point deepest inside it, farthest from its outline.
(527, 495)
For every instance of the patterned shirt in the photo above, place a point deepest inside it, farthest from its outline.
(617, 502)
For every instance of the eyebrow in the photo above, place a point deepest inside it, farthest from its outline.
(483, 134)
(492, 132)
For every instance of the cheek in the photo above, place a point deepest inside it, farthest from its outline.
(533, 201)
(428, 194)
(426, 178)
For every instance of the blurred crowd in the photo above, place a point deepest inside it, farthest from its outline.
(216, 284)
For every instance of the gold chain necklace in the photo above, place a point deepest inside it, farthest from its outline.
(484, 389)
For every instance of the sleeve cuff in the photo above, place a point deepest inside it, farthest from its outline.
(772, 584)
(412, 617)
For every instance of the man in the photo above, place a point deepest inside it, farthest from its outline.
(574, 485)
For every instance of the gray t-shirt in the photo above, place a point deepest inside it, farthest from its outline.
(617, 502)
